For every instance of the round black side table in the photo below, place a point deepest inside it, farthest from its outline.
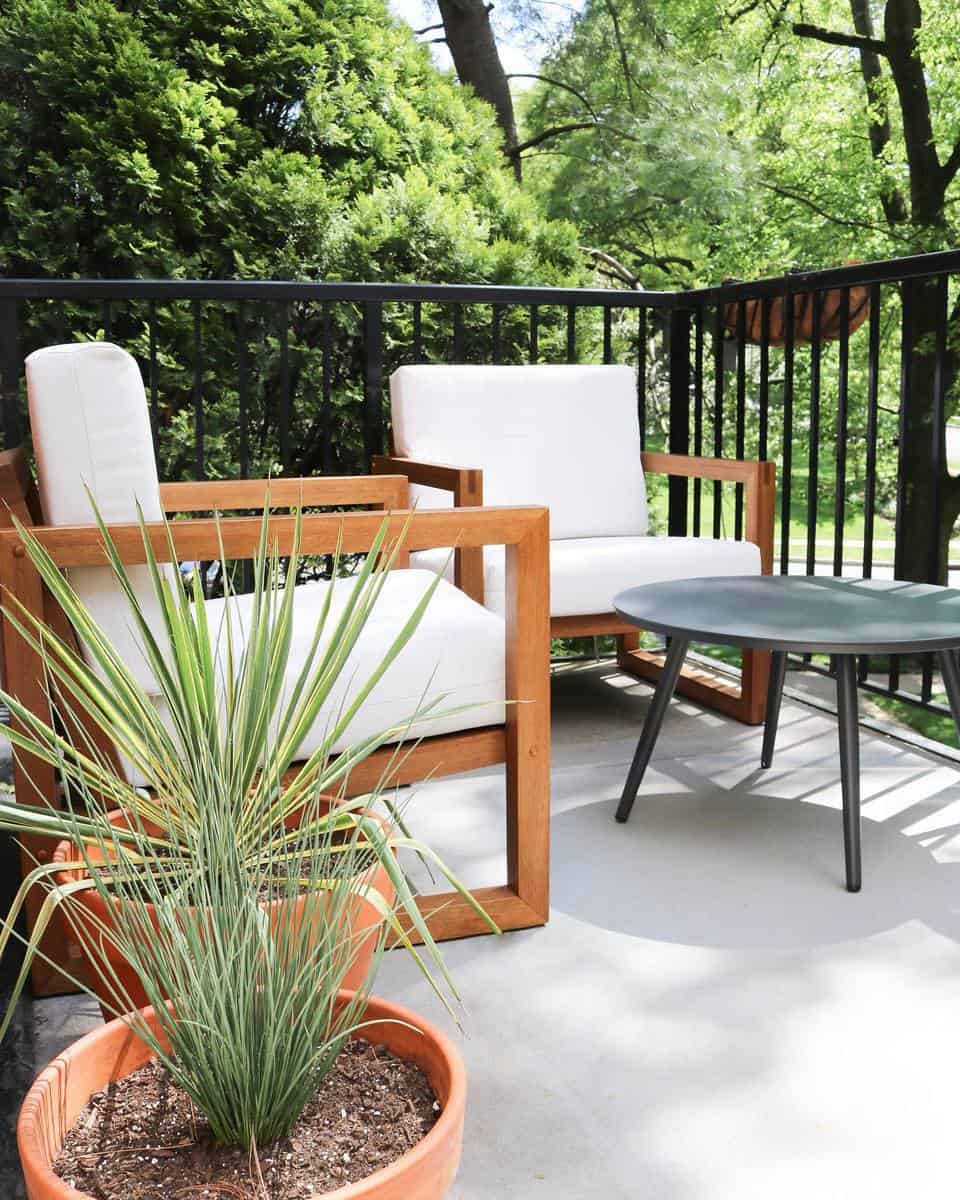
(800, 614)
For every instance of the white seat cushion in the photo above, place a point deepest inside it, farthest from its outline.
(567, 437)
(456, 656)
(91, 430)
(456, 651)
(586, 573)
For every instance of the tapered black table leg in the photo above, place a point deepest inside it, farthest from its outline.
(951, 681)
(849, 766)
(778, 669)
(651, 726)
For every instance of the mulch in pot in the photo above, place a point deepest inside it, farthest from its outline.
(141, 1137)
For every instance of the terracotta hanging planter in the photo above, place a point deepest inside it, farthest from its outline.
(804, 316)
(91, 912)
(113, 1051)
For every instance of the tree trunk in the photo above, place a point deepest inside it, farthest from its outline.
(473, 47)
(894, 205)
(929, 496)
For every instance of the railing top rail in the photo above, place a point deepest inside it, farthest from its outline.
(269, 290)
(889, 270)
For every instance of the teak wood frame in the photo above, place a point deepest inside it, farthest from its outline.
(522, 742)
(745, 703)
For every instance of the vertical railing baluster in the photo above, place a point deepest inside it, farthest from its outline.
(642, 375)
(417, 328)
(607, 334)
(786, 494)
(741, 416)
(813, 440)
(534, 333)
(939, 433)
(763, 396)
(458, 333)
(10, 371)
(873, 416)
(908, 296)
(243, 389)
(107, 317)
(154, 377)
(679, 416)
(938, 457)
(571, 333)
(873, 413)
(198, 430)
(840, 496)
(697, 413)
(718, 415)
(285, 401)
(372, 379)
(327, 457)
(495, 335)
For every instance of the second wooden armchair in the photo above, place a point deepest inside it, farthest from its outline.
(568, 437)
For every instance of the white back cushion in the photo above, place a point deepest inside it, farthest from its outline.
(564, 436)
(91, 430)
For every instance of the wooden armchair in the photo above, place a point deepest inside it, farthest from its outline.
(567, 437)
(515, 734)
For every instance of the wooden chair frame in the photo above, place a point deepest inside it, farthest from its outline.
(522, 742)
(758, 479)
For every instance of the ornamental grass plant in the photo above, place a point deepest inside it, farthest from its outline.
(202, 874)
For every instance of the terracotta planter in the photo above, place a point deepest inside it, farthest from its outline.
(88, 909)
(111, 1052)
(804, 317)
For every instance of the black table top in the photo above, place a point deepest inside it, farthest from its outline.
(799, 612)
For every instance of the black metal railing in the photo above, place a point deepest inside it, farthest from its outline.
(249, 377)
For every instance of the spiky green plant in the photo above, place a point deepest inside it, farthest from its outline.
(231, 827)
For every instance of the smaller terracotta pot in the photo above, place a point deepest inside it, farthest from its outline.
(805, 322)
(113, 1051)
(89, 911)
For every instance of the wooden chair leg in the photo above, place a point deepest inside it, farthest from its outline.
(627, 643)
(525, 899)
(34, 781)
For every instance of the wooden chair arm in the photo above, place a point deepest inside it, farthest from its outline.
(759, 483)
(466, 484)
(238, 537)
(382, 491)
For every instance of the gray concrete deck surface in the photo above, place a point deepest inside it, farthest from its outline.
(708, 1015)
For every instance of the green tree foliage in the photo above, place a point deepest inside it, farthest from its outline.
(779, 134)
(633, 132)
(269, 139)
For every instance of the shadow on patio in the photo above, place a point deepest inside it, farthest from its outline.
(709, 1014)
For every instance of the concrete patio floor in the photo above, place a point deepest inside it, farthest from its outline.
(708, 1015)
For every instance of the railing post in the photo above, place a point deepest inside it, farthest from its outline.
(679, 438)
(372, 379)
(10, 372)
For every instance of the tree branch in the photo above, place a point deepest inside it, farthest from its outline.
(951, 166)
(427, 29)
(621, 50)
(560, 84)
(878, 119)
(552, 132)
(832, 38)
(787, 194)
(613, 268)
(616, 269)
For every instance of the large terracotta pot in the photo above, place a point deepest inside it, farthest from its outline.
(113, 1051)
(89, 911)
